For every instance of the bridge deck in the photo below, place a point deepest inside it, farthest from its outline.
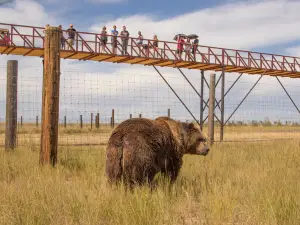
(29, 41)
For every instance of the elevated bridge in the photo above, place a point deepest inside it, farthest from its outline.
(29, 41)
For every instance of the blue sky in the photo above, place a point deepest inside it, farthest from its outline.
(84, 11)
(266, 26)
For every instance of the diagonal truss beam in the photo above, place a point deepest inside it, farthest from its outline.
(191, 85)
(226, 93)
(243, 99)
(176, 95)
(201, 97)
(288, 95)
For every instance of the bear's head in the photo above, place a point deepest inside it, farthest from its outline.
(195, 142)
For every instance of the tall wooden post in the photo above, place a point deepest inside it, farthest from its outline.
(81, 122)
(11, 104)
(113, 118)
(50, 107)
(211, 108)
(169, 113)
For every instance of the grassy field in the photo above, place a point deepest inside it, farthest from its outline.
(237, 183)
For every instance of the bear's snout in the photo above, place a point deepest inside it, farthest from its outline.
(203, 151)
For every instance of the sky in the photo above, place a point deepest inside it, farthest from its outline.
(89, 87)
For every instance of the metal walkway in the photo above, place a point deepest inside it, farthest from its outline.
(29, 41)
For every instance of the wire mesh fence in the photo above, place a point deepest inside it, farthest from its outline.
(94, 99)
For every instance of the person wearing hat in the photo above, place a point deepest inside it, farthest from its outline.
(103, 39)
(71, 36)
(114, 41)
(125, 38)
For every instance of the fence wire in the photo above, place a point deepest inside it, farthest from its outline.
(88, 91)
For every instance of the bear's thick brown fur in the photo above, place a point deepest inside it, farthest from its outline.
(140, 148)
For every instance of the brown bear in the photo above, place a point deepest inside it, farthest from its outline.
(140, 148)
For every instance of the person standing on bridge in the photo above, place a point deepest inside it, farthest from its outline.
(188, 47)
(114, 41)
(103, 39)
(195, 46)
(71, 36)
(62, 39)
(124, 37)
(180, 44)
(140, 41)
(155, 45)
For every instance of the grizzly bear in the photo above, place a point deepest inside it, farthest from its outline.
(140, 148)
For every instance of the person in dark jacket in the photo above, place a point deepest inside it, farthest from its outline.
(71, 36)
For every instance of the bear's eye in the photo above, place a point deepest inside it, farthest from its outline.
(200, 139)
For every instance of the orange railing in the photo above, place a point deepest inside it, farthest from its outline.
(87, 42)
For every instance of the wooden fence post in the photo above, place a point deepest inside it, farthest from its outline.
(113, 118)
(91, 120)
(11, 105)
(81, 122)
(65, 121)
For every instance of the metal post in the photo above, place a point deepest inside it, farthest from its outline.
(222, 106)
(65, 121)
(140, 115)
(11, 104)
(81, 122)
(202, 100)
(37, 121)
(130, 116)
(21, 121)
(113, 118)
(211, 108)
(50, 106)
(169, 113)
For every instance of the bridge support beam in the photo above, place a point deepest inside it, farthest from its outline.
(222, 106)
(202, 100)
(211, 109)
(50, 100)
(11, 105)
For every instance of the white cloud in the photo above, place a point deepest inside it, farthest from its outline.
(238, 25)
(26, 12)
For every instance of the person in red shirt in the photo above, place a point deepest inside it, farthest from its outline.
(180, 44)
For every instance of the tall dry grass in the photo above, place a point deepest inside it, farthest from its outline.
(237, 183)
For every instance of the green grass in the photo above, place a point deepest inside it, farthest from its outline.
(238, 183)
